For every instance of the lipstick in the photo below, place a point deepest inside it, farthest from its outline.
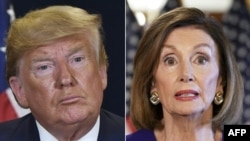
(186, 95)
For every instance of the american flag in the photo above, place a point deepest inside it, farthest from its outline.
(9, 109)
(133, 35)
(236, 23)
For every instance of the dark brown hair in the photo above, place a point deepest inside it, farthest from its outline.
(146, 115)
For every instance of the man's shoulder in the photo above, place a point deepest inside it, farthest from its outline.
(12, 124)
(112, 120)
(20, 127)
(111, 116)
(112, 127)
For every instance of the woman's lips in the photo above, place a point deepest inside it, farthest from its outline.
(186, 95)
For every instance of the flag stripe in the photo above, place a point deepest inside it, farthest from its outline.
(6, 109)
(9, 109)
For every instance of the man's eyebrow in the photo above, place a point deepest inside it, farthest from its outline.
(75, 49)
(48, 58)
(40, 59)
(45, 57)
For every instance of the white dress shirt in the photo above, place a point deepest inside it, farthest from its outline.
(90, 136)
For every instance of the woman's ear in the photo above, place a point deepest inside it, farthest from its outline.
(16, 87)
(153, 88)
(220, 85)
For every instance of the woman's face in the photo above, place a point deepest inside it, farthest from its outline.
(187, 76)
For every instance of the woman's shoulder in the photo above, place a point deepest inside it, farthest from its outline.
(142, 134)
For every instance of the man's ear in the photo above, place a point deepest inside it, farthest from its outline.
(103, 74)
(16, 87)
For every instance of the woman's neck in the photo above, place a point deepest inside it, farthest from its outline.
(186, 128)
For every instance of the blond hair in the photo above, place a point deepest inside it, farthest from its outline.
(43, 26)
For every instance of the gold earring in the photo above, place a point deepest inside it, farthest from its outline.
(218, 99)
(154, 99)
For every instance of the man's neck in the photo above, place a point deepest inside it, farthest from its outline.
(65, 134)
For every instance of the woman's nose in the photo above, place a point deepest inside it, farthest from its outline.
(187, 78)
(186, 74)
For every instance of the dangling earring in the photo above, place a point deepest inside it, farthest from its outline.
(154, 99)
(218, 99)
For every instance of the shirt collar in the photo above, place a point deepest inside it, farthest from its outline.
(90, 136)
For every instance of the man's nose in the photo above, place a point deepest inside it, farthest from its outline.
(65, 76)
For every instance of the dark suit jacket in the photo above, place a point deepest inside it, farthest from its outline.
(112, 128)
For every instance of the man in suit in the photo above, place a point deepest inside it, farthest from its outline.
(57, 67)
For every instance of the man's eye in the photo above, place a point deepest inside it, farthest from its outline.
(78, 59)
(44, 67)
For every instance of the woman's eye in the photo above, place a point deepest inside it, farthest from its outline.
(201, 60)
(170, 61)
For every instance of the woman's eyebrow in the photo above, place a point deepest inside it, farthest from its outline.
(169, 46)
(203, 45)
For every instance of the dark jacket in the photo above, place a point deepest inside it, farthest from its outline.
(112, 128)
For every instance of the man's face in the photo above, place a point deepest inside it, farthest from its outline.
(62, 83)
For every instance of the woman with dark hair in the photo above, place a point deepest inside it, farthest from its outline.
(186, 83)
